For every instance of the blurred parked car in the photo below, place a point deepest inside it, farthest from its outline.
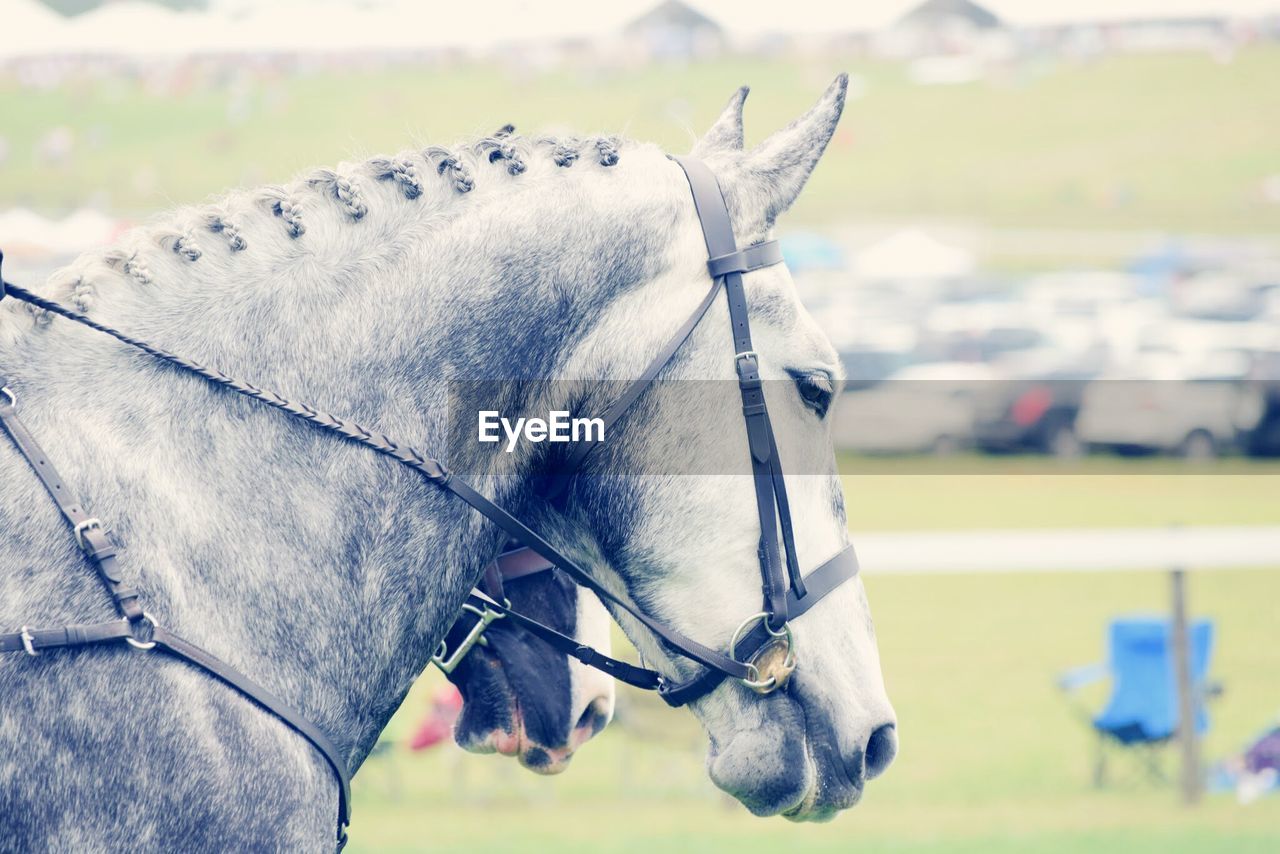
(920, 409)
(1032, 413)
(980, 331)
(1078, 293)
(867, 366)
(1162, 404)
(1263, 440)
(1218, 296)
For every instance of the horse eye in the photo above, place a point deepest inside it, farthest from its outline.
(816, 390)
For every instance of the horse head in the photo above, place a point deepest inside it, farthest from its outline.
(686, 550)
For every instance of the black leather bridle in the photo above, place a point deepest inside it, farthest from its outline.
(787, 593)
(785, 596)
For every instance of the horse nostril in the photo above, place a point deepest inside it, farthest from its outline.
(535, 758)
(881, 748)
(593, 717)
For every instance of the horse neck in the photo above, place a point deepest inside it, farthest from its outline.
(316, 567)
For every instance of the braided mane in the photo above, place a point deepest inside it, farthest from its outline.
(356, 192)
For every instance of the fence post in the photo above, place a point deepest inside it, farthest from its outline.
(1187, 737)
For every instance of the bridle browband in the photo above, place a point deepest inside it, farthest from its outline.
(786, 594)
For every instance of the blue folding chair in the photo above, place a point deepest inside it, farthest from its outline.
(1142, 713)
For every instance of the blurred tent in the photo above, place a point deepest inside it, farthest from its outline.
(38, 29)
(806, 250)
(675, 30)
(134, 28)
(913, 254)
(1019, 13)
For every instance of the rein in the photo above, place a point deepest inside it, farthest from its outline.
(786, 593)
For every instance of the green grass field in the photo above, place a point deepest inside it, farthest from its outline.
(1178, 142)
(993, 759)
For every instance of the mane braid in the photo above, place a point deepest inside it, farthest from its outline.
(340, 188)
(279, 203)
(498, 148)
(180, 242)
(401, 170)
(129, 264)
(219, 225)
(462, 180)
(230, 220)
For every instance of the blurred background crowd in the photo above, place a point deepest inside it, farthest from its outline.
(1044, 232)
(1026, 200)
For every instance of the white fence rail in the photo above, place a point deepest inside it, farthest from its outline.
(1069, 549)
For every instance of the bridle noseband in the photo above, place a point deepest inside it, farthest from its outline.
(786, 593)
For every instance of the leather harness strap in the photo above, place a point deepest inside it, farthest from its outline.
(33, 641)
(525, 535)
(634, 389)
(728, 263)
(89, 533)
(219, 669)
(639, 677)
(134, 625)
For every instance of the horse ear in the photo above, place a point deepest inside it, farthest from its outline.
(768, 178)
(726, 133)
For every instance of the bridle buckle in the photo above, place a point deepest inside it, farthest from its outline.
(448, 662)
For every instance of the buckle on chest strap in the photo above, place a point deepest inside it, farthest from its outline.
(28, 641)
(87, 525)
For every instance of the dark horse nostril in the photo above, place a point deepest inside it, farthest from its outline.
(592, 718)
(536, 757)
(881, 748)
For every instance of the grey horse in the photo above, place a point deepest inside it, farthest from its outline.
(319, 570)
